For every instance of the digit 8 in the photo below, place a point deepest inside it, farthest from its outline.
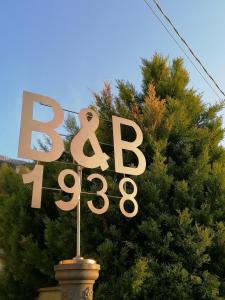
(127, 197)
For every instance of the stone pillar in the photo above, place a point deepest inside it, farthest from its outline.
(76, 278)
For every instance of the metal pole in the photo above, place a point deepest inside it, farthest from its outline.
(79, 171)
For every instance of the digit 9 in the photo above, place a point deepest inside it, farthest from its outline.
(75, 190)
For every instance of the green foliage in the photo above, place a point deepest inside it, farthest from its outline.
(27, 265)
(175, 247)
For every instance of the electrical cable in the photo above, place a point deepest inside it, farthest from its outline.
(183, 50)
(189, 48)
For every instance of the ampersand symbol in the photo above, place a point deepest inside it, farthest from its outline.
(87, 132)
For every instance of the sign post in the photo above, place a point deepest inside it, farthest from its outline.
(79, 171)
(77, 276)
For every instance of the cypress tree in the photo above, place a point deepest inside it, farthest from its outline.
(175, 247)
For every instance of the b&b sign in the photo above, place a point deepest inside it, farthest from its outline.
(89, 124)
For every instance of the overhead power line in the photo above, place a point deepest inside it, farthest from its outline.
(189, 48)
(182, 49)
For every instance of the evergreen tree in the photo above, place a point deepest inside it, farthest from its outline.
(175, 247)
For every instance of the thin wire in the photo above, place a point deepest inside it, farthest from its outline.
(76, 164)
(90, 193)
(75, 112)
(85, 193)
(181, 48)
(189, 48)
(71, 135)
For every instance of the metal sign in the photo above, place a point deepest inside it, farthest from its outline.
(89, 124)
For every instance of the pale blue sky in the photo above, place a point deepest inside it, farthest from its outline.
(65, 49)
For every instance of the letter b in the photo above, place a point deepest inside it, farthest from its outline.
(120, 145)
(28, 125)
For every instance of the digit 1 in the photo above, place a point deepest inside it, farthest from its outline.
(35, 176)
